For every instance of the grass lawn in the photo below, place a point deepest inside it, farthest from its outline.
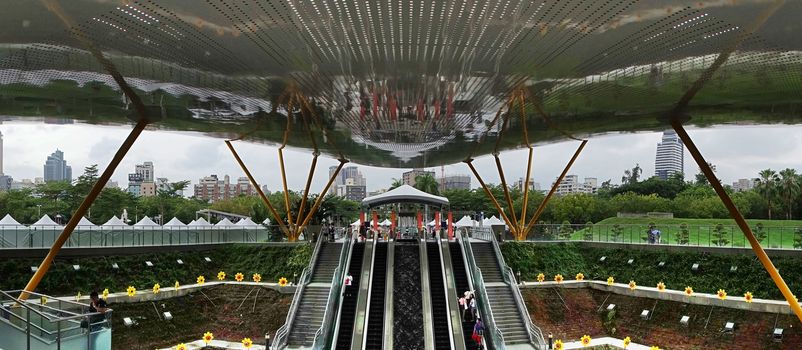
(779, 233)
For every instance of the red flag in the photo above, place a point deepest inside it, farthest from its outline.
(450, 225)
(392, 222)
(437, 220)
(361, 219)
(420, 220)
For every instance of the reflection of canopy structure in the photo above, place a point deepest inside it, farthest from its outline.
(466, 221)
(404, 194)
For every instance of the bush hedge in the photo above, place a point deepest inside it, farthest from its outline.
(714, 273)
(96, 272)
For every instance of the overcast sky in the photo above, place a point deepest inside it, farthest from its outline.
(737, 152)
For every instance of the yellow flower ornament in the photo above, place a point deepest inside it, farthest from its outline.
(257, 278)
(105, 294)
(131, 291)
(689, 291)
(208, 337)
(748, 297)
(541, 277)
(239, 277)
(610, 280)
(181, 346)
(247, 343)
(156, 288)
(221, 276)
(558, 278)
(282, 282)
(200, 280)
(722, 294)
(627, 340)
(580, 276)
(661, 287)
(585, 340)
(632, 285)
(176, 285)
(558, 345)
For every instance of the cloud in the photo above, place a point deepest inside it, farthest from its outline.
(737, 152)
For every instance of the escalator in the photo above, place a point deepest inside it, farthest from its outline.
(437, 293)
(348, 310)
(374, 337)
(462, 285)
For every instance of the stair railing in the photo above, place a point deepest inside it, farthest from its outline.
(534, 332)
(482, 301)
(283, 333)
(323, 335)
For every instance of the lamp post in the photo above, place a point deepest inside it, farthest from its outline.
(38, 210)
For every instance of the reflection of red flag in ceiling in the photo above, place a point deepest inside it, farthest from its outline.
(437, 220)
(393, 107)
(361, 218)
(420, 109)
(375, 105)
(450, 102)
(375, 220)
(437, 109)
(392, 221)
(450, 225)
(420, 220)
(362, 111)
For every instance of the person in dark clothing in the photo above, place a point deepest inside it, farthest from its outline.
(478, 332)
(96, 304)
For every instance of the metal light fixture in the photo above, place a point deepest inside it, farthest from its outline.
(695, 267)
(685, 320)
(167, 315)
(729, 327)
(207, 259)
(128, 322)
(34, 268)
(180, 262)
(115, 266)
(777, 335)
(661, 264)
(630, 261)
(611, 307)
(76, 267)
(602, 259)
(148, 263)
(644, 314)
(734, 268)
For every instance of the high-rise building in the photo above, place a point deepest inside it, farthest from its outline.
(5, 180)
(147, 189)
(56, 168)
(571, 184)
(409, 176)
(455, 182)
(743, 185)
(212, 189)
(519, 185)
(669, 159)
(349, 183)
(140, 182)
(146, 170)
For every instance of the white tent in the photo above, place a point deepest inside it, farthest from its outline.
(246, 222)
(8, 223)
(355, 223)
(46, 221)
(200, 222)
(191, 223)
(404, 193)
(431, 223)
(114, 221)
(492, 221)
(224, 224)
(266, 222)
(174, 222)
(146, 222)
(85, 224)
(466, 221)
(386, 222)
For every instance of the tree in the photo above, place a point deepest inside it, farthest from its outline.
(587, 234)
(616, 231)
(760, 232)
(684, 234)
(632, 176)
(798, 237)
(396, 183)
(720, 235)
(427, 183)
(565, 231)
(789, 184)
(700, 179)
(767, 185)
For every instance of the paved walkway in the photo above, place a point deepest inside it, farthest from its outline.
(618, 343)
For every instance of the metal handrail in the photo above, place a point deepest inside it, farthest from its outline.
(483, 301)
(282, 334)
(445, 287)
(534, 332)
(334, 297)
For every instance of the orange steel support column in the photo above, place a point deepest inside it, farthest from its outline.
(258, 189)
(286, 192)
(542, 205)
(514, 223)
(82, 209)
(322, 194)
(739, 219)
(526, 195)
(306, 190)
(487, 190)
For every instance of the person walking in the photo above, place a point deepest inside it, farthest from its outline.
(466, 310)
(473, 307)
(478, 332)
(348, 288)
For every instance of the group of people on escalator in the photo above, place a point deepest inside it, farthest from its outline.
(470, 314)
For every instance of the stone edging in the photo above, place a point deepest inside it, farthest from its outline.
(171, 292)
(614, 342)
(217, 344)
(732, 302)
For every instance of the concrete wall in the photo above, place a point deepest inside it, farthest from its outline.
(732, 302)
(116, 251)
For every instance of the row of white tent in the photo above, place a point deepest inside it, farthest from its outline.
(9, 223)
(466, 221)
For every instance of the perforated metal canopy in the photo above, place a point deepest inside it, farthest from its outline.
(403, 83)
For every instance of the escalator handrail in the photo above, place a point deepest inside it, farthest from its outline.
(483, 301)
(370, 292)
(534, 332)
(323, 334)
(445, 289)
(283, 333)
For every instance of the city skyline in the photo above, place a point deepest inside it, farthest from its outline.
(197, 155)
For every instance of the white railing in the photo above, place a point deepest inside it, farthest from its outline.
(535, 334)
(283, 333)
(482, 300)
(323, 334)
